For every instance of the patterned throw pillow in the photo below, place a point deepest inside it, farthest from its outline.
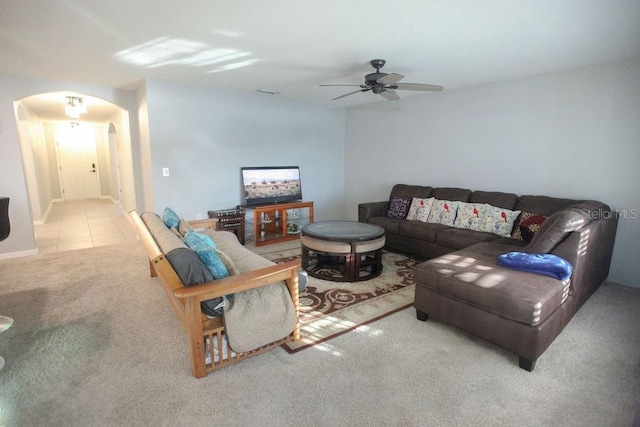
(193, 238)
(211, 260)
(420, 208)
(527, 227)
(469, 216)
(399, 207)
(170, 218)
(443, 212)
(498, 221)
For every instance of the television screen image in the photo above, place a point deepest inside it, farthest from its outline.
(271, 184)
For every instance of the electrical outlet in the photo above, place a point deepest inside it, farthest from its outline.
(199, 216)
(165, 171)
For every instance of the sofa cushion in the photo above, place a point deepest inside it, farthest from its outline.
(527, 225)
(443, 212)
(243, 259)
(473, 276)
(390, 225)
(454, 194)
(399, 207)
(543, 205)
(421, 230)
(460, 238)
(469, 216)
(420, 209)
(495, 198)
(404, 190)
(554, 230)
(165, 238)
(498, 220)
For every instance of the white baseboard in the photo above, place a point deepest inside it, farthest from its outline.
(19, 254)
(46, 214)
(109, 198)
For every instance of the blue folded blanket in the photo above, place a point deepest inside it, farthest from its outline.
(547, 264)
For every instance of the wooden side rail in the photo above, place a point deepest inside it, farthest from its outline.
(206, 335)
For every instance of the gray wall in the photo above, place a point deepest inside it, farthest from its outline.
(572, 134)
(567, 134)
(204, 136)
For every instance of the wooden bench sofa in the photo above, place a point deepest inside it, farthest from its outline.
(207, 335)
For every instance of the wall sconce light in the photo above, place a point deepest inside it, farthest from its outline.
(74, 107)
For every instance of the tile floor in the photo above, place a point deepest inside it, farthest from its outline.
(84, 224)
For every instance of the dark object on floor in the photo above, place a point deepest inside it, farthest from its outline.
(5, 227)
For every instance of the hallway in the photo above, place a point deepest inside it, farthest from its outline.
(83, 224)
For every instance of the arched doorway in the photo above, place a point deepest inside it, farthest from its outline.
(80, 159)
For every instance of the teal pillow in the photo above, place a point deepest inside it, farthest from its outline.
(191, 239)
(211, 259)
(170, 218)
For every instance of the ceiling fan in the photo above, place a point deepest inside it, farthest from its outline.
(385, 85)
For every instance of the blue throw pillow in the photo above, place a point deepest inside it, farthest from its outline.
(192, 238)
(211, 259)
(170, 218)
(547, 264)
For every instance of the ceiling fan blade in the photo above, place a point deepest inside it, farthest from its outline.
(340, 85)
(390, 79)
(390, 95)
(350, 93)
(418, 86)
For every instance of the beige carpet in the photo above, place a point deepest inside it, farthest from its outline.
(329, 309)
(95, 343)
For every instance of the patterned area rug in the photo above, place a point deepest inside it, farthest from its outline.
(329, 309)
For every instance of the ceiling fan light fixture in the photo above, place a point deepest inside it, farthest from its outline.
(74, 107)
(81, 106)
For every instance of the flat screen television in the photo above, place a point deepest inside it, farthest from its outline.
(263, 185)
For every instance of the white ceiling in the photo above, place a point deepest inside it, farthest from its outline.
(292, 46)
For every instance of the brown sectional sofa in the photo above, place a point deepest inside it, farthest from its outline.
(461, 283)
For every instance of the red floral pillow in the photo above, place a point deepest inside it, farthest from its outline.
(527, 227)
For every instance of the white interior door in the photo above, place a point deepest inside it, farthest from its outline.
(78, 163)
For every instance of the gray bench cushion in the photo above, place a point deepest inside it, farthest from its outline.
(165, 238)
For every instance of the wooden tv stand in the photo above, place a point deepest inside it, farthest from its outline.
(271, 222)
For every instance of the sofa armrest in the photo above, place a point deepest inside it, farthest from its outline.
(589, 249)
(371, 209)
